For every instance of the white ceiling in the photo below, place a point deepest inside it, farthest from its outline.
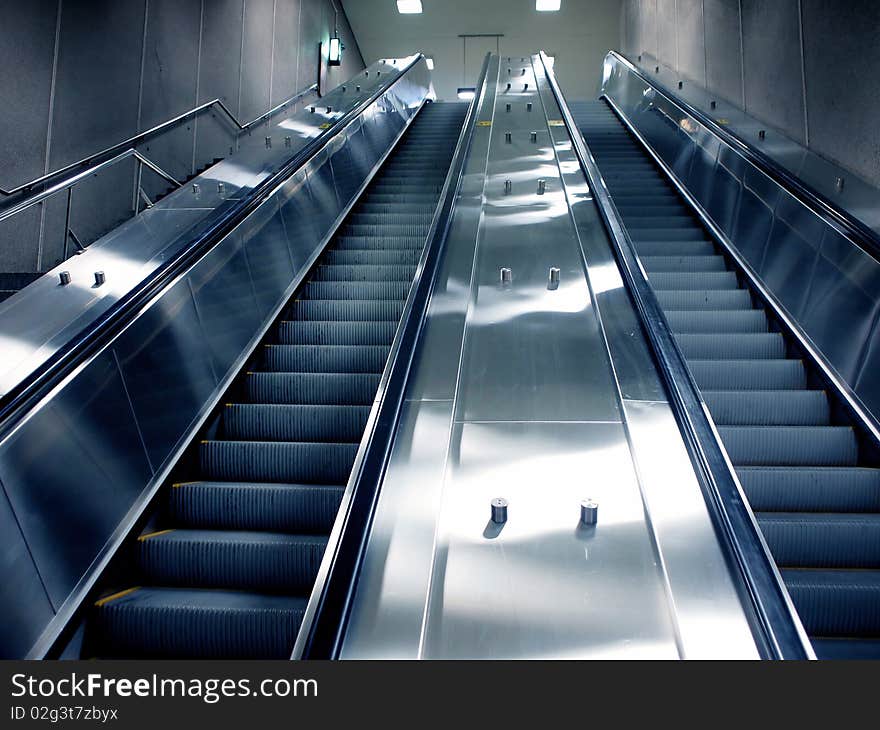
(578, 36)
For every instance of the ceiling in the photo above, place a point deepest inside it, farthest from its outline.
(578, 36)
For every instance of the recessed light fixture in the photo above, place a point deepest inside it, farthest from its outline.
(466, 93)
(542, 6)
(430, 62)
(334, 57)
(411, 7)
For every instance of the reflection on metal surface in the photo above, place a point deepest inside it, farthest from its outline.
(78, 470)
(521, 390)
(811, 272)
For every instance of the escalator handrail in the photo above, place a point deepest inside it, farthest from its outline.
(323, 627)
(845, 222)
(25, 395)
(775, 623)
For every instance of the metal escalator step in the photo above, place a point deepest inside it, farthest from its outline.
(187, 623)
(836, 602)
(312, 388)
(845, 648)
(768, 407)
(790, 445)
(683, 263)
(379, 243)
(301, 508)
(689, 301)
(816, 540)
(354, 311)
(267, 461)
(730, 321)
(692, 281)
(325, 358)
(743, 346)
(336, 332)
(294, 422)
(395, 217)
(348, 290)
(675, 248)
(645, 233)
(379, 257)
(363, 272)
(415, 230)
(748, 374)
(816, 489)
(245, 560)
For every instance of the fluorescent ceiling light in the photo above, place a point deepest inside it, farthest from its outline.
(430, 62)
(466, 93)
(410, 7)
(334, 57)
(542, 6)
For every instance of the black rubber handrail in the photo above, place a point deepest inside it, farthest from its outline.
(861, 234)
(17, 402)
(774, 622)
(323, 632)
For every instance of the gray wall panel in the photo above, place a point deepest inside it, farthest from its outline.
(772, 64)
(666, 33)
(126, 66)
(723, 49)
(170, 83)
(805, 67)
(842, 84)
(691, 49)
(256, 57)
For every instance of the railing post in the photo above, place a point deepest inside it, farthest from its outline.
(67, 222)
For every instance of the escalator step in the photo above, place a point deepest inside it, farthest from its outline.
(267, 461)
(312, 388)
(301, 508)
(336, 333)
(364, 272)
(675, 248)
(275, 422)
(406, 257)
(747, 346)
(704, 299)
(352, 311)
(836, 602)
(684, 281)
(325, 358)
(818, 489)
(255, 560)
(368, 290)
(748, 374)
(857, 649)
(733, 321)
(683, 263)
(768, 407)
(790, 445)
(178, 622)
(822, 540)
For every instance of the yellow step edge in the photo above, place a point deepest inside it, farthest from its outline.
(154, 534)
(177, 485)
(113, 597)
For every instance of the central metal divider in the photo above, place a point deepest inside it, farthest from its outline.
(538, 488)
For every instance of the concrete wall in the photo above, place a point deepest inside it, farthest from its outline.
(579, 36)
(806, 67)
(82, 75)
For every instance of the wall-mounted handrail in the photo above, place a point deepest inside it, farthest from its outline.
(844, 221)
(777, 628)
(80, 176)
(137, 139)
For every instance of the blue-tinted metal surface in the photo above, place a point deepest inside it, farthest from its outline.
(820, 272)
(79, 468)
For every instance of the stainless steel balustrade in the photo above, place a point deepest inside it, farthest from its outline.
(81, 465)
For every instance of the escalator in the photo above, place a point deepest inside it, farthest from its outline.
(227, 565)
(814, 494)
